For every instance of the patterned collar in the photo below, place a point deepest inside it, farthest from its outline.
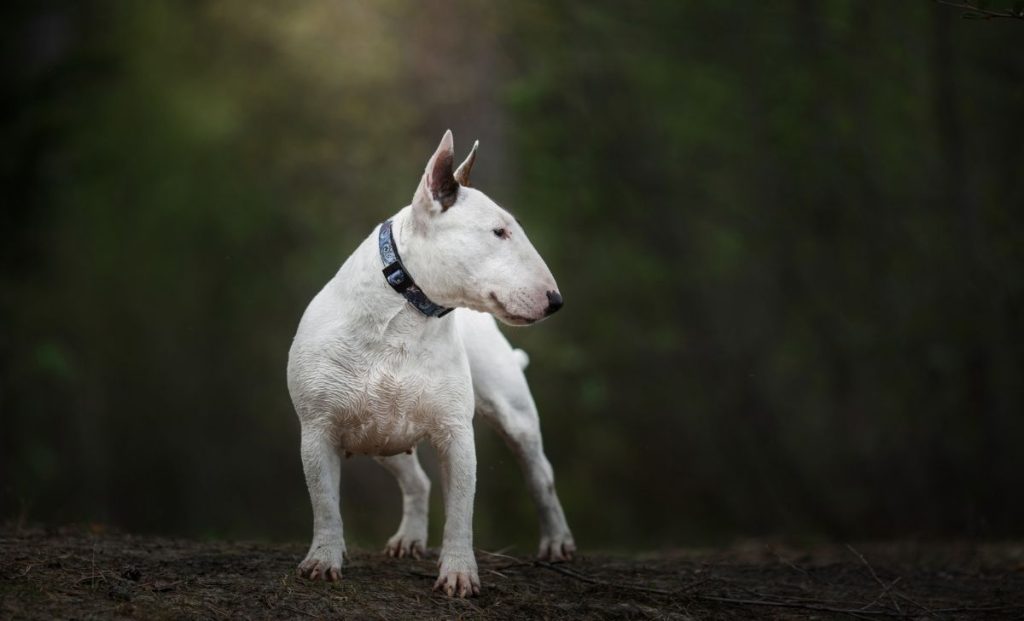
(400, 279)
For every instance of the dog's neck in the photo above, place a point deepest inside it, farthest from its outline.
(398, 276)
(384, 306)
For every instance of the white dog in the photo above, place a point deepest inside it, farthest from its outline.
(378, 364)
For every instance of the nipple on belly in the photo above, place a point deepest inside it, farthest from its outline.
(407, 451)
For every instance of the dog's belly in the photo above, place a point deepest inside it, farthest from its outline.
(380, 438)
(391, 411)
(378, 431)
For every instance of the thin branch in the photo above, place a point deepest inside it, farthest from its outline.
(853, 612)
(513, 565)
(500, 553)
(296, 610)
(796, 567)
(1008, 608)
(589, 580)
(885, 588)
(886, 591)
(928, 611)
(974, 11)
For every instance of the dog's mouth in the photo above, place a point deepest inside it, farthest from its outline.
(507, 316)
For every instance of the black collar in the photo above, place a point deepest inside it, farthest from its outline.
(400, 279)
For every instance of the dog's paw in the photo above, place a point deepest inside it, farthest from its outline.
(323, 562)
(404, 544)
(458, 576)
(557, 548)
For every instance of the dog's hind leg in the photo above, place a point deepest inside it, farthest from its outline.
(503, 398)
(322, 466)
(411, 538)
(515, 418)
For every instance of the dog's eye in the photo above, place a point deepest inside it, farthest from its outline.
(500, 233)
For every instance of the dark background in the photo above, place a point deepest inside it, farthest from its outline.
(789, 235)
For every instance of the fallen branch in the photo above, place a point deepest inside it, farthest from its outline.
(886, 591)
(853, 612)
(582, 578)
(885, 588)
(794, 566)
(928, 611)
(296, 610)
(973, 11)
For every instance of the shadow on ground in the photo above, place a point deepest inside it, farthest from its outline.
(71, 573)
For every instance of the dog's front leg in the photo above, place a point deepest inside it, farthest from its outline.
(458, 573)
(322, 466)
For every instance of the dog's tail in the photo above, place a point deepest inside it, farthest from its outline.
(521, 357)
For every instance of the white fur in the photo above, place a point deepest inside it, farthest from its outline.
(369, 374)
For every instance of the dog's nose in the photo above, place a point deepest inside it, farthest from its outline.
(554, 302)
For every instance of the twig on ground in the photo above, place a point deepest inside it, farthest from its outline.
(91, 578)
(975, 11)
(572, 574)
(798, 599)
(500, 553)
(94, 564)
(216, 611)
(885, 589)
(1017, 608)
(513, 565)
(928, 611)
(853, 612)
(293, 609)
(794, 566)
(692, 585)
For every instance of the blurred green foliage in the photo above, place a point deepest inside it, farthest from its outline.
(789, 235)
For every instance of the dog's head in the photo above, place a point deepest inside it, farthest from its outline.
(470, 252)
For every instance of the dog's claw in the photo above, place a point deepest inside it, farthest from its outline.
(461, 584)
(402, 546)
(322, 563)
(412, 549)
(319, 572)
(557, 549)
(458, 576)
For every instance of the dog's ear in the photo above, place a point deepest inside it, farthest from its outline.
(438, 187)
(462, 172)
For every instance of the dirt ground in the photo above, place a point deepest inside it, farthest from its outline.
(82, 574)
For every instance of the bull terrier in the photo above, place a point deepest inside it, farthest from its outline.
(402, 346)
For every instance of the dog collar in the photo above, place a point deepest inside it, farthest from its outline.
(400, 279)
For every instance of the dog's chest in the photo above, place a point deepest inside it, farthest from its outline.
(377, 383)
(395, 401)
